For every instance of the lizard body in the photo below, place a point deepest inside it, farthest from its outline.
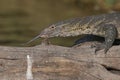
(105, 25)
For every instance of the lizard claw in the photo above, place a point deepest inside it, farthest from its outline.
(98, 47)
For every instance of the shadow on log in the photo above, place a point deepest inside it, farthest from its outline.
(53, 62)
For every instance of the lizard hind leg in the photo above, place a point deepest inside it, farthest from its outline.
(110, 35)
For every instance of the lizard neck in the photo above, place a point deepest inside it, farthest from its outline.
(87, 25)
(75, 30)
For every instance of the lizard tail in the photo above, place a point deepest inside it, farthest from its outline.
(32, 40)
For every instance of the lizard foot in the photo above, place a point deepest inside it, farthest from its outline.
(98, 47)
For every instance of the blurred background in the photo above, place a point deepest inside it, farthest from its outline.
(22, 20)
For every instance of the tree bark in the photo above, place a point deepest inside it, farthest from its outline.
(52, 62)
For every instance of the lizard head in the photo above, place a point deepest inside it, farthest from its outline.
(54, 30)
(63, 29)
(51, 31)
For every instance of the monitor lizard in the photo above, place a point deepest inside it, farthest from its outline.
(104, 25)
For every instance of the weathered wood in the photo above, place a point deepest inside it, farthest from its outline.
(53, 62)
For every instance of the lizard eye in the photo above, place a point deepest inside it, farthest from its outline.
(52, 27)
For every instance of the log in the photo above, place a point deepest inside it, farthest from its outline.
(52, 62)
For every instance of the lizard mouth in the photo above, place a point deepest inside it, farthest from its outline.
(44, 36)
(39, 36)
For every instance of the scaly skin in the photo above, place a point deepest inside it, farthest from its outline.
(105, 25)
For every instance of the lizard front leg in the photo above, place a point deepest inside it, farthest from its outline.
(110, 35)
